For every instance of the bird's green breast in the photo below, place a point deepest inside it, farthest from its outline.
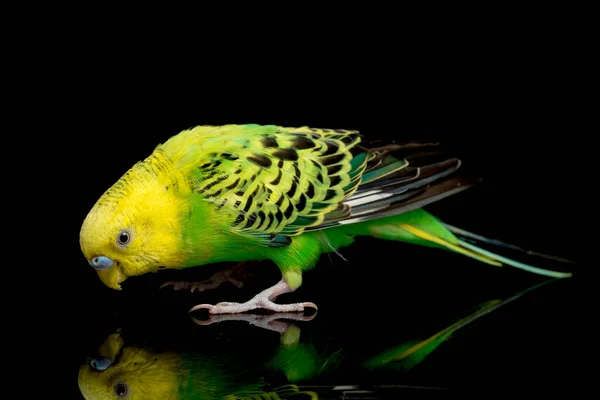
(207, 237)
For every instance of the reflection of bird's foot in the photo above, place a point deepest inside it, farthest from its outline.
(216, 280)
(236, 308)
(262, 300)
(270, 322)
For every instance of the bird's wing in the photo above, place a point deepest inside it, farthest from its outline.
(272, 182)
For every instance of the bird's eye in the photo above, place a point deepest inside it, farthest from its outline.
(123, 238)
(121, 389)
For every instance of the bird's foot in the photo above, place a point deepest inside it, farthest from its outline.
(270, 322)
(262, 300)
(217, 279)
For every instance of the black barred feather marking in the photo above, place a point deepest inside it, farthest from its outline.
(278, 182)
(402, 191)
(286, 180)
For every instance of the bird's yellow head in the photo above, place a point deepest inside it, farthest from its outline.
(135, 227)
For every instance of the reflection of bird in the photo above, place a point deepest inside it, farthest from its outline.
(122, 371)
(250, 192)
(411, 353)
(128, 371)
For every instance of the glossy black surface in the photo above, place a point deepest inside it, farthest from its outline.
(495, 96)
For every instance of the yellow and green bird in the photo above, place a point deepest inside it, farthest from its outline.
(254, 192)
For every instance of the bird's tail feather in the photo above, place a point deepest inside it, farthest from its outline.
(463, 247)
(476, 239)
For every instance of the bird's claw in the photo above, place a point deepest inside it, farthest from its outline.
(208, 307)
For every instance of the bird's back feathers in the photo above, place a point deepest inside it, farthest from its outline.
(274, 182)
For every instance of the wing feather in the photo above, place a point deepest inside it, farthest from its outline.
(272, 180)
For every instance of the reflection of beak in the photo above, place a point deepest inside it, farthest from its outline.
(112, 276)
(112, 346)
(90, 385)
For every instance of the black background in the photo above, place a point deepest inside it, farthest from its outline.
(505, 96)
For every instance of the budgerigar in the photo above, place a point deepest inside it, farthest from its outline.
(253, 192)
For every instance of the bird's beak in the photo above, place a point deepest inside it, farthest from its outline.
(112, 276)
